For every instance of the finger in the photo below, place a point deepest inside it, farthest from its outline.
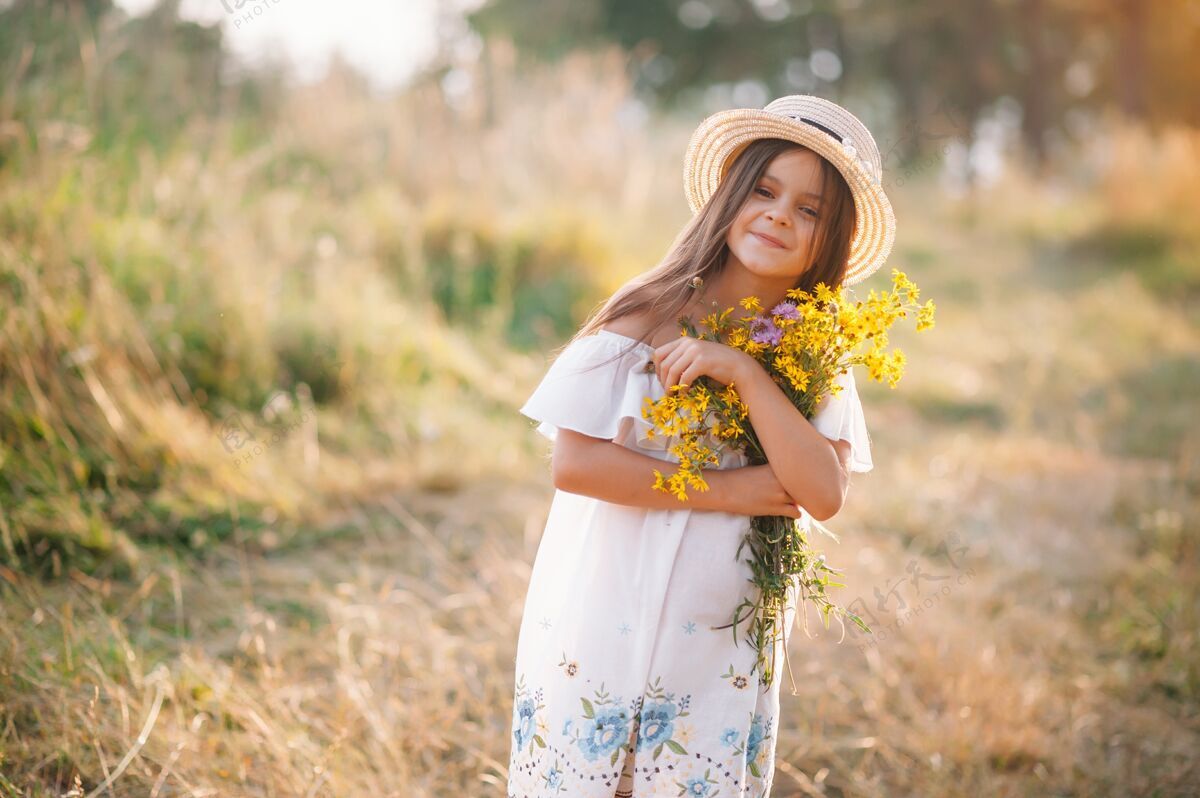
(671, 357)
(692, 373)
(665, 349)
(672, 366)
(685, 364)
(661, 353)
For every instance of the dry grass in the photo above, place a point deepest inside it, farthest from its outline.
(371, 666)
(1060, 661)
(356, 637)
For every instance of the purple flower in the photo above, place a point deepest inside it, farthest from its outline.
(765, 332)
(786, 310)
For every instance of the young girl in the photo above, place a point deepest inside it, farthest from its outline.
(623, 686)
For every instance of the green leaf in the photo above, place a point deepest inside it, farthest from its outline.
(676, 747)
(537, 738)
(587, 708)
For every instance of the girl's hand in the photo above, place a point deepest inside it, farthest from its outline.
(755, 490)
(685, 359)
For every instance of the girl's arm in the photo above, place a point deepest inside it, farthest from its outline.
(808, 465)
(605, 470)
(811, 468)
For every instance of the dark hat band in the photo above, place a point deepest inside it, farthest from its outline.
(815, 124)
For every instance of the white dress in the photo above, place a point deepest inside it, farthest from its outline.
(615, 634)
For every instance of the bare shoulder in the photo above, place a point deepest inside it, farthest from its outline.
(633, 325)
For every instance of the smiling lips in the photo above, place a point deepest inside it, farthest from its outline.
(769, 240)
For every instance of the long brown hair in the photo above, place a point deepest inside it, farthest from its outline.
(700, 249)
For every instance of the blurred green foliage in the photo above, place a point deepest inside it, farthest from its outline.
(140, 180)
(176, 248)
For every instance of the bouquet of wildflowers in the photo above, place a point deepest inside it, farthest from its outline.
(803, 345)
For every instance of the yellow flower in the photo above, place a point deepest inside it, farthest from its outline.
(830, 334)
(925, 316)
(751, 303)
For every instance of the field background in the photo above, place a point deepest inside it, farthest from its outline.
(268, 510)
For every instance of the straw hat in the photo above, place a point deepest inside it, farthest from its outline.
(824, 127)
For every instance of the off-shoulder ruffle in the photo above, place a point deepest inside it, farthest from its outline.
(578, 393)
(841, 418)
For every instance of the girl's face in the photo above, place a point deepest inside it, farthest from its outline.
(773, 233)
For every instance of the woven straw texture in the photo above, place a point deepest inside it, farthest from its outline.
(723, 135)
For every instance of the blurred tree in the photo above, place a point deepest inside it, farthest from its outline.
(676, 47)
(939, 65)
(1155, 64)
(143, 84)
(1131, 55)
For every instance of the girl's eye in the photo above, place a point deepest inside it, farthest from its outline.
(767, 193)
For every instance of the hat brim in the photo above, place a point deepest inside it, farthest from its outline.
(722, 136)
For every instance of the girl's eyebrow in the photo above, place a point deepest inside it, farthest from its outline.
(774, 179)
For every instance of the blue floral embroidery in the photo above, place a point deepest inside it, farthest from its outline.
(698, 787)
(657, 725)
(607, 728)
(756, 739)
(553, 777)
(524, 724)
(606, 733)
(754, 742)
(603, 731)
(658, 721)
